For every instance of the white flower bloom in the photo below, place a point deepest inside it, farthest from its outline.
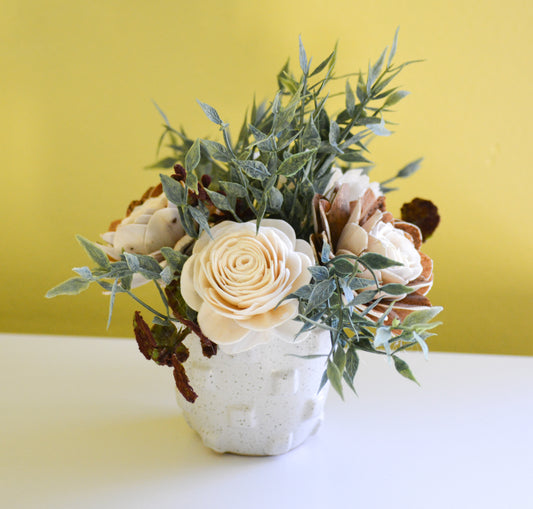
(391, 242)
(149, 227)
(237, 279)
(356, 181)
(376, 235)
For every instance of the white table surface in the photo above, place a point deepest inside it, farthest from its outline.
(89, 423)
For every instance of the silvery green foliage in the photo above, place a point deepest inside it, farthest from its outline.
(286, 147)
(329, 302)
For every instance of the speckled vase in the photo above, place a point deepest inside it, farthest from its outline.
(261, 402)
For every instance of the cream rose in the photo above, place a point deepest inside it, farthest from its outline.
(237, 279)
(150, 226)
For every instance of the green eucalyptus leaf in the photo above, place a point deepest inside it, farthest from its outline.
(379, 129)
(234, 189)
(84, 272)
(287, 137)
(352, 362)
(254, 169)
(403, 368)
(319, 272)
(264, 142)
(95, 253)
(335, 378)
(339, 358)
(358, 283)
(310, 136)
(72, 286)
(396, 289)
(304, 64)
(395, 97)
(304, 292)
(363, 297)
(211, 113)
(114, 289)
(200, 218)
(342, 266)
(422, 343)
(193, 156)
(217, 151)
(326, 251)
(376, 261)
(286, 115)
(167, 275)
(145, 265)
(275, 199)
(410, 168)
(320, 67)
(323, 381)
(382, 338)
(375, 70)
(321, 293)
(360, 91)
(293, 164)
(191, 181)
(350, 99)
(334, 133)
(175, 191)
(421, 316)
(219, 200)
(393, 47)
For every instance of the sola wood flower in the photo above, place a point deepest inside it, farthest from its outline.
(361, 224)
(237, 279)
(150, 224)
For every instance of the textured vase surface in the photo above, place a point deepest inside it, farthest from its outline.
(264, 401)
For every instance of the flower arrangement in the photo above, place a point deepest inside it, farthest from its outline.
(276, 233)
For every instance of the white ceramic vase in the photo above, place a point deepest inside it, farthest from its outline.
(261, 402)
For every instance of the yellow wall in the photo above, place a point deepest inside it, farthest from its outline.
(77, 79)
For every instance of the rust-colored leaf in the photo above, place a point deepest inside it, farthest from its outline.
(143, 335)
(179, 310)
(156, 191)
(182, 381)
(208, 347)
(114, 224)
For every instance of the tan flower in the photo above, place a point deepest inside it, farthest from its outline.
(362, 225)
(237, 279)
(150, 224)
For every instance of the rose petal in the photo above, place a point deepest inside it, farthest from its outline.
(304, 247)
(187, 288)
(268, 319)
(251, 340)
(282, 226)
(218, 328)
